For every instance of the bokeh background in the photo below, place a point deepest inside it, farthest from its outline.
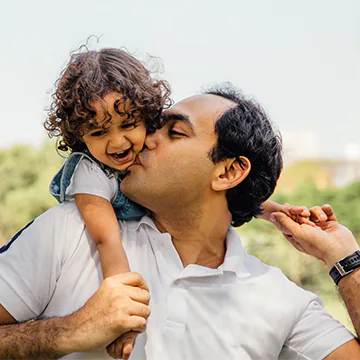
(300, 59)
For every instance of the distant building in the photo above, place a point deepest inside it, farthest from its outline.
(348, 170)
(303, 163)
(300, 145)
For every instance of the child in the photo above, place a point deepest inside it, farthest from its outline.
(104, 103)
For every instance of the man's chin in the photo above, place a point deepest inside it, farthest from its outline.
(124, 174)
(128, 182)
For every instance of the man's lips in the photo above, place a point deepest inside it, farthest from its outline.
(138, 160)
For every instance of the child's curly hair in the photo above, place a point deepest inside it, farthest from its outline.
(90, 76)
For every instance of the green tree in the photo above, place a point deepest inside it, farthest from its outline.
(25, 174)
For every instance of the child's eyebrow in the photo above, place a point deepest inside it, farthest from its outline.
(94, 127)
(98, 124)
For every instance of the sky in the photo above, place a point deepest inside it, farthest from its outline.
(300, 59)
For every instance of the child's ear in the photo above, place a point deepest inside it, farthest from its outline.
(230, 173)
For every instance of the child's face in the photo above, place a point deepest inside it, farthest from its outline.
(118, 144)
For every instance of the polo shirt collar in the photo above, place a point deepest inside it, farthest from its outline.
(234, 256)
(147, 220)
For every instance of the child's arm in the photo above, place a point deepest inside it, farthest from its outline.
(299, 214)
(103, 226)
(104, 229)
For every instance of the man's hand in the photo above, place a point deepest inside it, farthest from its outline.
(119, 306)
(327, 240)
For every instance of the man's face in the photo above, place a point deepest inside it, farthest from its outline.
(174, 169)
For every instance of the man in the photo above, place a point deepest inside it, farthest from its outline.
(213, 163)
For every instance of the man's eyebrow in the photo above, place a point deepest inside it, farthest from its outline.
(166, 117)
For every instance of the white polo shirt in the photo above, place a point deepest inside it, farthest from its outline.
(242, 310)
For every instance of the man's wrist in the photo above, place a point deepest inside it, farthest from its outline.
(335, 255)
(67, 341)
(59, 336)
(345, 266)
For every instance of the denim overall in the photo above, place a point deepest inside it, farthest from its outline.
(124, 208)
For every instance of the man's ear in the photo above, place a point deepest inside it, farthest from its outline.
(230, 172)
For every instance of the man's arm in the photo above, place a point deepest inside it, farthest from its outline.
(119, 305)
(330, 242)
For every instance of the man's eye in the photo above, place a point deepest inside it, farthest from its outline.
(173, 132)
(129, 125)
(98, 133)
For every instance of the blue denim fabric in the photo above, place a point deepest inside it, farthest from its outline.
(124, 208)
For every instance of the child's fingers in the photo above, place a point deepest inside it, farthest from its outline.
(305, 220)
(302, 220)
(299, 210)
(296, 210)
(305, 213)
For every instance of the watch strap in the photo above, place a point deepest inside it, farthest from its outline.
(345, 266)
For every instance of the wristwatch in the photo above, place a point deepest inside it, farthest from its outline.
(345, 266)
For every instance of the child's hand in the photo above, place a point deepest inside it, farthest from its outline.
(299, 214)
(122, 347)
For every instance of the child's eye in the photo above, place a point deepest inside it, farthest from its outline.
(129, 125)
(98, 133)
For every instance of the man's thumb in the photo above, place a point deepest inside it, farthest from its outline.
(284, 223)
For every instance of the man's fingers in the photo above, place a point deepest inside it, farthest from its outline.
(287, 225)
(139, 309)
(132, 279)
(317, 214)
(329, 212)
(138, 294)
(137, 323)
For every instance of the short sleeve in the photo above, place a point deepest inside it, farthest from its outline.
(315, 335)
(88, 178)
(30, 263)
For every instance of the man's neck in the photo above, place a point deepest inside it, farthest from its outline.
(198, 235)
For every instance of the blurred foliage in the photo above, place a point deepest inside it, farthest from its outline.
(264, 240)
(25, 174)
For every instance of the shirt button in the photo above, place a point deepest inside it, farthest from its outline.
(176, 282)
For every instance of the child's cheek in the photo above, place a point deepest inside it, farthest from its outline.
(141, 137)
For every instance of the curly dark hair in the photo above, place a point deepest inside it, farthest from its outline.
(246, 130)
(90, 75)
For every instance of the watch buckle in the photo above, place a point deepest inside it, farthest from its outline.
(341, 270)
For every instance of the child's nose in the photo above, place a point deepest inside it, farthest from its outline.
(116, 139)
